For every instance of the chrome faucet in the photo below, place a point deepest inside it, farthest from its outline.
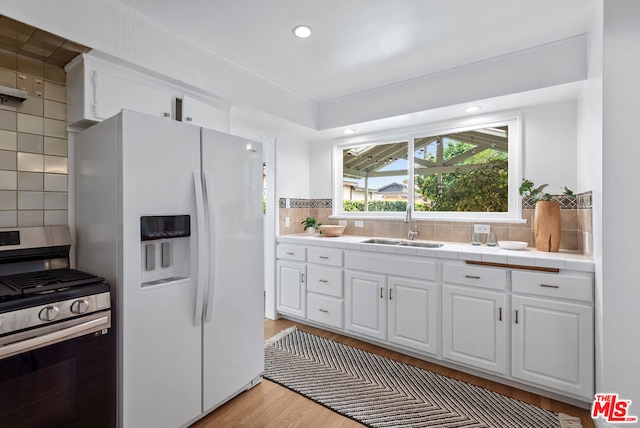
(411, 235)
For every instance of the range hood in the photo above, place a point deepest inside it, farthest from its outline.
(7, 93)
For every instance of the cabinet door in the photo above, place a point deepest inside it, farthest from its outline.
(292, 289)
(113, 92)
(366, 304)
(474, 329)
(413, 314)
(202, 114)
(553, 344)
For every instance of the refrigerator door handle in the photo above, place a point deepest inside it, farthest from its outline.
(208, 191)
(201, 274)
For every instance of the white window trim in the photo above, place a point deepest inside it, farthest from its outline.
(516, 151)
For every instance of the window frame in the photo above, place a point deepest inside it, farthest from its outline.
(515, 162)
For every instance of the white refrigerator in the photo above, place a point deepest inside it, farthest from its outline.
(171, 215)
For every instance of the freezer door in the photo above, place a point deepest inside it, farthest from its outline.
(234, 310)
(160, 343)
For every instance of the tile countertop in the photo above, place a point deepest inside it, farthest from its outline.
(570, 260)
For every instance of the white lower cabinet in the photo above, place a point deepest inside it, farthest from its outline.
(292, 290)
(400, 310)
(365, 298)
(474, 330)
(532, 327)
(552, 336)
(325, 310)
(413, 314)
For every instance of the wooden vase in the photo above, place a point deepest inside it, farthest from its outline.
(547, 225)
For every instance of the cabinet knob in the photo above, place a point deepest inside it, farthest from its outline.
(167, 114)
(189, 119)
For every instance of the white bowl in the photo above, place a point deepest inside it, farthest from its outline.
(512, 245)
(331, 230)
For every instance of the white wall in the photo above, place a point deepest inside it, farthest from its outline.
(550, 145)
(590, 170)
(620, 204)
(550, 149)
(320, 169)
(292, 149)
(540, 67)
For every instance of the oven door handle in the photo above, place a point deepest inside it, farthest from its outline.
(46, 339)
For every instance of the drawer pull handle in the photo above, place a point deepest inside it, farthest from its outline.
(323, 281)
(549, 286)
(324, 311)
(516, 316)
(381, 293)
(302, 278)
(290, 253)
(390, 290)
(499, 314)
(472, 277)
(324, 257)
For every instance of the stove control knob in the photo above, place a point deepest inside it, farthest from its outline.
(80, 306)
(49, 313)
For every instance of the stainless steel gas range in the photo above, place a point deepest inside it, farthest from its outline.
(57, 359)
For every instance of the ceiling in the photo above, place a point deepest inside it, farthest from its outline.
(359, 45)
(29, 41)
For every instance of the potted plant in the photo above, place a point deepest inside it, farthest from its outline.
(310, 225)
(546, 217)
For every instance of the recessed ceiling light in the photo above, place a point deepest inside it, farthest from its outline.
(349, 131)
(471, 109)
(302, 31)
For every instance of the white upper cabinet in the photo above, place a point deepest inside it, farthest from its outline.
(98, 89)
(204, 114)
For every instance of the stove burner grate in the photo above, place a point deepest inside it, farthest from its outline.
(47, 281)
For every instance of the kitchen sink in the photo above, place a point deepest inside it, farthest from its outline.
(403, 243)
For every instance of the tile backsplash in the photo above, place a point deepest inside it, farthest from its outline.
(33, 144)
(575, 217)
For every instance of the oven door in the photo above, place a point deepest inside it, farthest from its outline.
(63, 377)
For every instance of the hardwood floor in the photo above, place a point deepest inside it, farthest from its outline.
(271, 405)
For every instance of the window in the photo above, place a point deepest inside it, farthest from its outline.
(455, 173)
(375, 177)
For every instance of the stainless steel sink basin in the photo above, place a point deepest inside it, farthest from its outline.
(421, 244)
(383, 241)
(404, 243)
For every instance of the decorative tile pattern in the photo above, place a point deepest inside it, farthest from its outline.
(320, 203)
(585, 200)
(566, 202)
(304, 203)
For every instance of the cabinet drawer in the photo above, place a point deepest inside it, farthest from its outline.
(387, 264)
(325, 310)
(495, 279)
(324, 280)
(324, 256)
(291, 252)
(553, 285)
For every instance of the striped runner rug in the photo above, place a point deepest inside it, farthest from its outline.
(379, 392)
